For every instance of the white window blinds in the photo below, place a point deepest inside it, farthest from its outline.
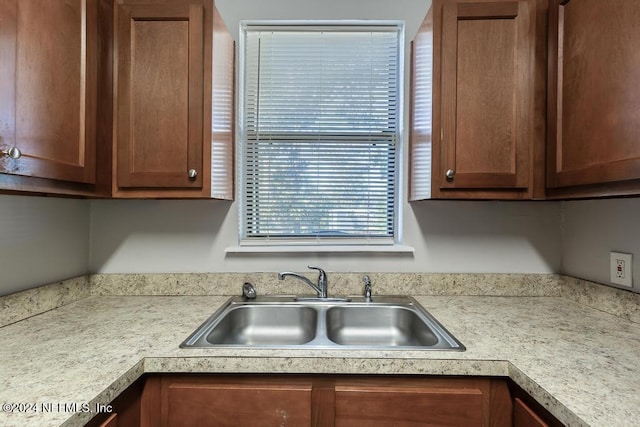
(320, 131)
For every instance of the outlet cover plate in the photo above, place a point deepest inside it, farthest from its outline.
(620, 271)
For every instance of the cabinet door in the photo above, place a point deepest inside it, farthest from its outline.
(523, 416)
(487, 88)
(112, 421)
(124, 410)
(594, 92)
(160, 91)
(203, 402)
(8, 34)
(407, 406)
(48, 96)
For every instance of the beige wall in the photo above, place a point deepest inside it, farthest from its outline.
(42, 240)
(148, 236)
(47, 239)
(183, 236)
(592, 229)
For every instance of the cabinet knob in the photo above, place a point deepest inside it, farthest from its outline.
(13, 152)
(192, 173)
(450, 174)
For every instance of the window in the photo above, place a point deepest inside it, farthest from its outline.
(320, 129)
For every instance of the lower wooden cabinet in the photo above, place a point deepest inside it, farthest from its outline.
(232, 402)
(529, 413)
(323, 401)
(407, 404)
(523, 416)
(112, 421)
(125, 410)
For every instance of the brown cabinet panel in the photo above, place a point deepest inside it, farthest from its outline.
(125, 409)
(149, 126)
(53, 117)
(478, 101)
(529, 413)
(407, 406)
(486, 95)
(485, 134)
(523, 416)
(174, 111)
(323, 403)
(314, 400)
(594, 93)
(243, 403)
(160, 95)
(8, 10)
(112, 421)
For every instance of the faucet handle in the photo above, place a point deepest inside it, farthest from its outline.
(322, 281)
(323, 274)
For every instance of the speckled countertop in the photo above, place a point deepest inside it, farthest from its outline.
(580, 363)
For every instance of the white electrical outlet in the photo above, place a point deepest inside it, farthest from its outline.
(621, 272)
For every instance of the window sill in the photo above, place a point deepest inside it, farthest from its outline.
(343, 249)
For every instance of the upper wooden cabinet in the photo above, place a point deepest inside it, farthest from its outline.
(155, 120)
(594, 98)
(48, 92)
(166, 87)
(477, 128)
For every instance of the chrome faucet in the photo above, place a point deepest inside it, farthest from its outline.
(320, 288)
(367, 288)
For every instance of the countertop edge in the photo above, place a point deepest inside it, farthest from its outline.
(301, 365)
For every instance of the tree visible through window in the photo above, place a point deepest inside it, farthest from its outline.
(320, 113)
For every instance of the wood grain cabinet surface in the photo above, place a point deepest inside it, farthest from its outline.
(164, 96)
(410, 405)
(116, 98)
(317, 400)
(486, 66)
(300, 400)
(112, 421)
(49, 58)
(594, 98)
(529, 413)
(229, 403)
(523, 416)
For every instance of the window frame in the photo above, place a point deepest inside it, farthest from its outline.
(321, 241)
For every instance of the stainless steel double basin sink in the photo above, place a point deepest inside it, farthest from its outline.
(288, 322)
